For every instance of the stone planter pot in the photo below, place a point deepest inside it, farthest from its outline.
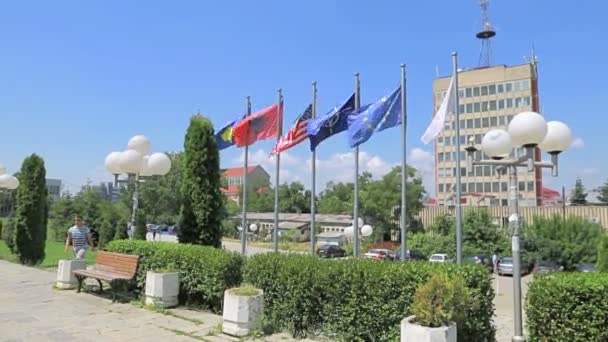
(162, 289)
(412, 332)
(65, 277)
(241, 312)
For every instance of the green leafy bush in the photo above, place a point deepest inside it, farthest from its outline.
(204, 272)
(358, 299)
(568, 307)
(8, 234)
(440, 301)
(602, 254)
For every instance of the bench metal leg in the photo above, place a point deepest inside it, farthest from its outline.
(100, 286)
(80, 280)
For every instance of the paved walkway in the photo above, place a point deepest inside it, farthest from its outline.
(31, 311)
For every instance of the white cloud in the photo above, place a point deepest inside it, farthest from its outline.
(589, 171)
(424, 162)
(578, 143)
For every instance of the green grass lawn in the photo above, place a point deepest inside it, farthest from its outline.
(53, 253)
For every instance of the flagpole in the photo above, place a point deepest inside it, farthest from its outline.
(403, 167)
(275, 233)
(313, 204)
(244, 202)
(458, 206)
(356, 197)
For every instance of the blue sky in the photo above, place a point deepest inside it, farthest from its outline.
(79, 78)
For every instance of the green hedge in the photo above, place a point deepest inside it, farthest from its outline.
(568, 307)
(356, 299)
(204, 272)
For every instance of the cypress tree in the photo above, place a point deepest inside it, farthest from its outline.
(31, 212)
(202, 208)
(121, 230)
(140, 226)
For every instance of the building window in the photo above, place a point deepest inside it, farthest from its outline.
(463, 187)
(522, 186)
(487, 171)
(440, 156)
(478, 171)
(509, 103)
(487, 187)
(484, 90)
(492, 89)
(469, 108)
(504, 187)
(471, 187)
(462, 124)
(485, 123)
(470, 123)
(462, 139)
(478, 138)
(493, 105)
(530, 186)
(447, 156)
(476, 91)
(478, 123)
(460, 93)
(525, 84)
(468, 92)
(484, 106)
(501, 88)
(495, 187)
(527, 101)
(518, 102)
(509, 118)
(479, 187)
(461, 108)
(505, 202)
(476, 107)
(493, 121)
(440, 141)
(501, 104)
(508, 87)
(516, 86)
(501, 120)
(453, 140)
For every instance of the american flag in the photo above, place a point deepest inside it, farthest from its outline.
(296, 134)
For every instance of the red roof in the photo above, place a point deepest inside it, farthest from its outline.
(238, 171)
(231, 189)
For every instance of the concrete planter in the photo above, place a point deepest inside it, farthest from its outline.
(412, 332)
(162, 289)
(65, 277)
(241, 312)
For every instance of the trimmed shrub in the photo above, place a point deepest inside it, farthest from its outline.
(204, 272)
(440, 301)
(358, 299)
(568, 307)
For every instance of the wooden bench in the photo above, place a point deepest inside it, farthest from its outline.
(114, 268)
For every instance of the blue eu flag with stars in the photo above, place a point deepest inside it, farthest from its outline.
(333, 122)
(378, 116)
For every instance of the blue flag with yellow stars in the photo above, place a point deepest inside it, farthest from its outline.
(380, 115)
(224, 137)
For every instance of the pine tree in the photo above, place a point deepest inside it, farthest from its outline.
(121, 230)
(107, 231)
(602, 254)
(31, 212)
(202, 209)
(603, 190)
(579, 195)
(140, 226)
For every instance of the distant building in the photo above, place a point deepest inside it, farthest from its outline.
(53, 187)
(256, 176)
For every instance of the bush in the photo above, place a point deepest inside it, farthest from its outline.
(204, 272)
(440, 301)
(8, 234)
(568, 307)
(121, 230)
(357, 299)
(602, 254)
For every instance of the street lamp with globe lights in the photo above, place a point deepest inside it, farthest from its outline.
(528, 130)
(136, 162)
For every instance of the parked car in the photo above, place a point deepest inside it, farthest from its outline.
(547, 266)
(585, 267)
(410, 255)
(440, 258)
(481, 260)
(331, 251)
(380, 254)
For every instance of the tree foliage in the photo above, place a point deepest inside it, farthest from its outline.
(31, 211)
(602, 254)
(579, 194)
(202, 203)
(603, 193)
(140, 226)
(159, 196)
(567, 241)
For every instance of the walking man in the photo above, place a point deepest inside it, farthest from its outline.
(79, 236)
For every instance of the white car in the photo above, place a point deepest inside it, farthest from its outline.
(440, 258)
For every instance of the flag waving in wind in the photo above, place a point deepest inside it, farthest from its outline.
(296, 134)
(382, 114)
(438, 122)
(224, 137)
(258, 126)
(333, 122)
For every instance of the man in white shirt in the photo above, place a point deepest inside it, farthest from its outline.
(79, 236)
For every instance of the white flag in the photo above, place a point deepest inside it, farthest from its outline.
(438, 123)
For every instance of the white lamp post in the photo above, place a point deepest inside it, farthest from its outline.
(135, 161)
(528, 130)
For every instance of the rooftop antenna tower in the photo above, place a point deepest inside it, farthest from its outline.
(487, 32)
